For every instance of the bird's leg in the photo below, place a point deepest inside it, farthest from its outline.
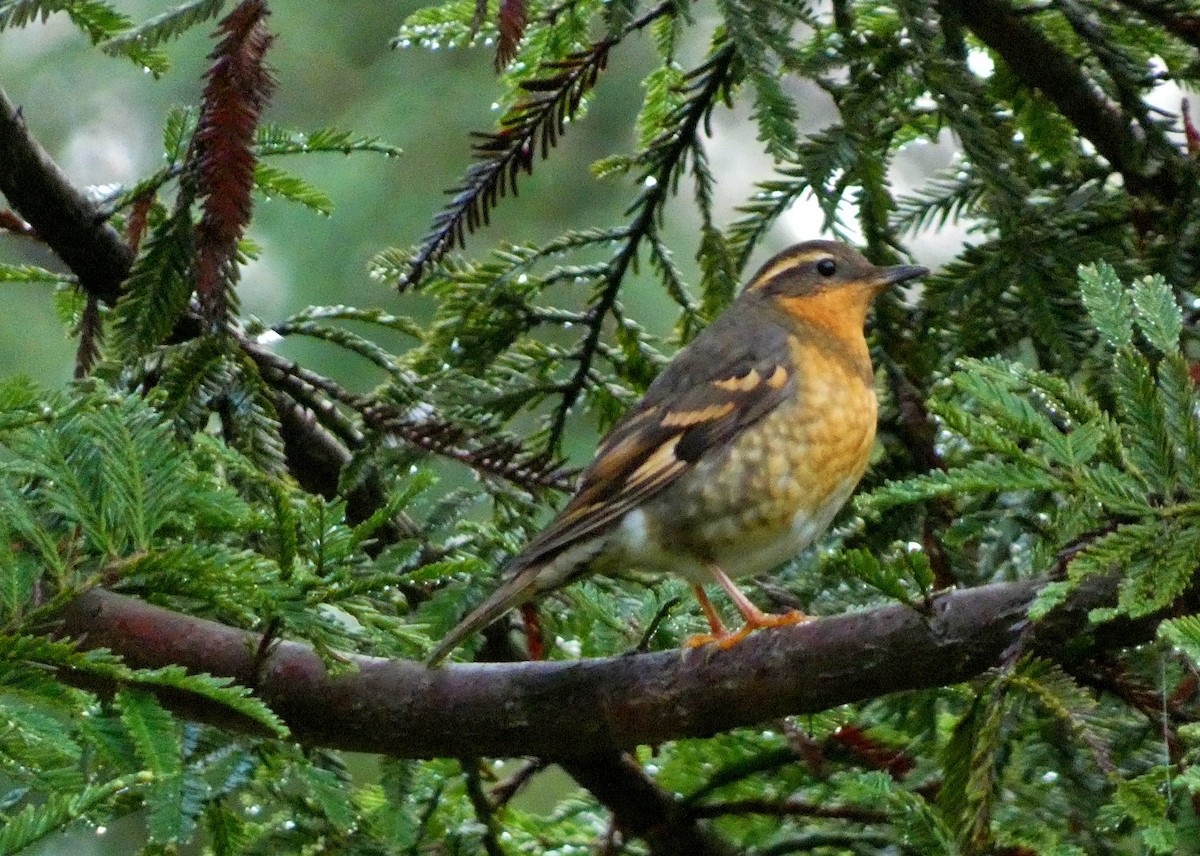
(755, 617)
(714, 619)
(719, 632)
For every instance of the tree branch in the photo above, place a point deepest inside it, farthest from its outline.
(70, 224)
(1042, 65)
(564, 710)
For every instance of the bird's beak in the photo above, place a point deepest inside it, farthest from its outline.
(901, 273)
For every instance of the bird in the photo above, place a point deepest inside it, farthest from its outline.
(738, 456)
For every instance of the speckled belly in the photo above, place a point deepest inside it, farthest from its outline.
(769, 493)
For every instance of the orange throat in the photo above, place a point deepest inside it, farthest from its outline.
(838, 313)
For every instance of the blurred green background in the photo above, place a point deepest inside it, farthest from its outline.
(101, 119)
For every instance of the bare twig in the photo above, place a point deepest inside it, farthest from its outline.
(510, 787)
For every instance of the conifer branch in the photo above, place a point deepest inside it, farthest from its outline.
(1128, 77)
(1044, 66)
(539, 118)
(420, 427)
(665, 159)
(310, 390)
(535, 122)
(493, 457)
(222, 158)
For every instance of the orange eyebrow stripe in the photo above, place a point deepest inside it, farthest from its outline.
(784, 265)
(739, 384)
(687, 418)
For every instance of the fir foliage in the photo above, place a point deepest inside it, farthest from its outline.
(1038, 422)
(164, 27)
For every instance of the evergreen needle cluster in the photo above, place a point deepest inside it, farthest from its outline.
(1040, 423)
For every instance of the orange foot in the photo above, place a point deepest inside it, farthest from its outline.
(727, 639)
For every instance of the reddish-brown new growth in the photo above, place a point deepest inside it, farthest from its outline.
(511, 21)
(239, 85)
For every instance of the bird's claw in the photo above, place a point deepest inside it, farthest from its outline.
(729, 638)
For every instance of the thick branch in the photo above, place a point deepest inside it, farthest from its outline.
(70, 224)
(1044, 66)
(564, 710)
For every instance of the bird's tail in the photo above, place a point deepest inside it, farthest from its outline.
(514, 591)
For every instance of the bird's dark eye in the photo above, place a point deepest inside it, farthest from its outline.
(826, 267)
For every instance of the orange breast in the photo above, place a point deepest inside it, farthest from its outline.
(784, 470)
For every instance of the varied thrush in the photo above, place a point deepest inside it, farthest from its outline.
(738, 456)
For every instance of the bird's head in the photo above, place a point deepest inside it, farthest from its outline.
(826, 284)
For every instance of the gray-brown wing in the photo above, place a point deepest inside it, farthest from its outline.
(724, 382)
